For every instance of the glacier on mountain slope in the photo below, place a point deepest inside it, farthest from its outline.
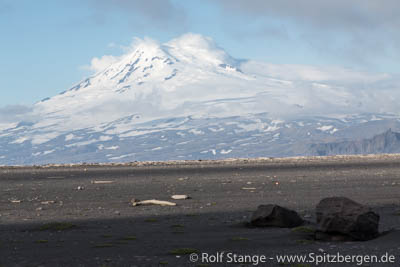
(181, 98)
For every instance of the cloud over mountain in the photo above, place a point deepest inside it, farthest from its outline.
(270, 87)
(13, 113)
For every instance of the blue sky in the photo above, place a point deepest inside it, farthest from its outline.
(45, 45)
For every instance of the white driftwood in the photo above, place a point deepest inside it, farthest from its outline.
(102, 182)
(180, 197)
(152, 202)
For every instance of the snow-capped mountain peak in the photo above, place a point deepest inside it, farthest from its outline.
(163, 96)
(162, 61)
(162, 76)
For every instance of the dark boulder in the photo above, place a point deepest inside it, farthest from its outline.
(343, 217)
(275, 216)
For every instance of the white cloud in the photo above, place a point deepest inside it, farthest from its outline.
(296, 72)
(15, 113)
(99, 64)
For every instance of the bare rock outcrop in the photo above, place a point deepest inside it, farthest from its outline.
(340, 218)
(275, 216)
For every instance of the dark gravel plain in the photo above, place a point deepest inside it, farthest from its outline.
(46, 221)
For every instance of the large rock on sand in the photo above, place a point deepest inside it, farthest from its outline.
(275, 216)
(340, 216)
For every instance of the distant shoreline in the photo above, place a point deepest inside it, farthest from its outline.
(224, 162)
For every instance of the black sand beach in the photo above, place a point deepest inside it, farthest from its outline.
(80, 215)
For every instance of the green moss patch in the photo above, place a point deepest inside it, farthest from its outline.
(303, 230)
(177, 226)
(57, 226)
(183, 251)
(129, 238)
(304, 241)
(42, 241)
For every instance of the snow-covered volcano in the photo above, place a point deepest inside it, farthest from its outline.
(153, 80)
(187, 99)
(187, 76)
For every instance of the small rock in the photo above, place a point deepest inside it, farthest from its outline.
(180, 197)
(48, 202)
(275, 216)
(80, 188)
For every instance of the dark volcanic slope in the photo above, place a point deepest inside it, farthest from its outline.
(104, 230)
(387, 142)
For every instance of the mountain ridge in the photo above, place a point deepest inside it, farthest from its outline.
(384, 143)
